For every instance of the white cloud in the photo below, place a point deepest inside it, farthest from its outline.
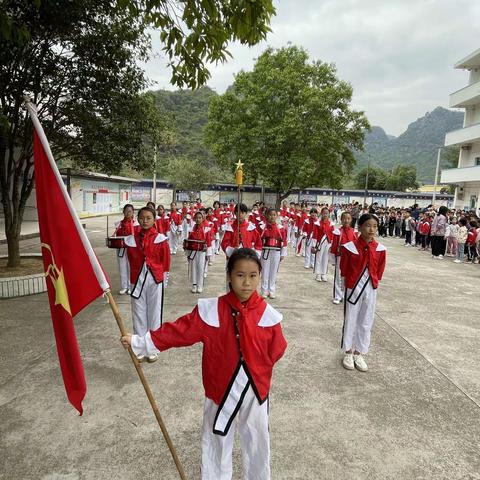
(398, 55)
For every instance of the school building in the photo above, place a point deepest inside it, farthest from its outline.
(467, 175)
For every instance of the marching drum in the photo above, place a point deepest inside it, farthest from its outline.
(115, 242)
(196, 245)
(272, 243)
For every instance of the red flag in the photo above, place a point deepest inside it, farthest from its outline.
(73, 274)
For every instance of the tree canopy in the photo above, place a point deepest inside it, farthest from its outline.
(289, 121)
(401, 178)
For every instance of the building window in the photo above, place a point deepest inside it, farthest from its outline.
(473, 201)
(476, 161)
(94, 198)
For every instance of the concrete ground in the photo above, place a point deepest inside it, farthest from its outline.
(414, 415)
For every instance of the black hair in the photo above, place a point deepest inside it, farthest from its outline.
(160, 205)
(365, 217)
(342, 216)
(150, 203)
(147, 209)
(216, 202)
(313, 210)
(443, 210)
(128, 205)
(243, 254)
(198, 212)
(243, 208)
(473, 224)
(269, 210)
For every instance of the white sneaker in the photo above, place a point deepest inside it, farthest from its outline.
(199, 289)
(297, 255)
(210, 264)
(348, 361)
(272, 296)
(264, 295)
(360, 363)
(306, 266)
(194, 289)
(205, 275)
(123, 291)
(318, 278)
(140, 358)
(129, 292)
(457, 261)
(323, 278)
(440, 257)
(336, 302)
(153, 358)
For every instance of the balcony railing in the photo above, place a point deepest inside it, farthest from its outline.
(461, 175)
(466, 96)
(468, 134)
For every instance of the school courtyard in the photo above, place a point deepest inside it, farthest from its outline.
(414, 415)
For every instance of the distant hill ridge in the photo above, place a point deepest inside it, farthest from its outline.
(416, 146)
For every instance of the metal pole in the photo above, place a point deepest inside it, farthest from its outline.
(154, 199)
(436, 176)
(366, 184)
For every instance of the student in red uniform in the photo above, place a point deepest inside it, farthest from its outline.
(322, 239)
(149, 261)
(274, 249)
(162, 221)
(175, 228)
(197, 248)
(362, 265)
(242, 340)
(249, 237)
(341, 236)
(307, 233)
(125, 227)
(301, 216)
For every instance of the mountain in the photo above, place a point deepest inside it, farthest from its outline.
(189, 113)
(416, 146)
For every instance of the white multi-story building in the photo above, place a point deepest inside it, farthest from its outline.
(467, 175)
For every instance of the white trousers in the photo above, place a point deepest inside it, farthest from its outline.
(173, 241)
(338, 282)
(124, 268)
(359, 318)
(197, 263)
(321, 258)
(300, 245)
(270, 260)
(309, 257)
(147, 309)
(252, 419)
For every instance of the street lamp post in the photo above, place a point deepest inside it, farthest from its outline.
(436, 176)
(154, 190)
(366, 183)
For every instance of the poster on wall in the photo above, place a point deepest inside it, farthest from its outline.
(341, 198)
(141, 194)
(307, 198)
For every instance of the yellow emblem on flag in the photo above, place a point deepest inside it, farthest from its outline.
(55, 274)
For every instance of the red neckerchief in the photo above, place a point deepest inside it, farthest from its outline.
(252, 303)
(274, 231)
(370, 259)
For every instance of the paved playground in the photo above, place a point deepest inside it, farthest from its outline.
(414, 415)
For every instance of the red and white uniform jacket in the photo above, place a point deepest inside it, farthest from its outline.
(201, 232)
(323, 229)
(300, 217)
(278, 232)
(341, 236)
(175, 219)
(125, 227)
(241, 344)
(361, 262)
(472, 236)
(147, 251)
(307, 227)
(249, 237)
(424, 227)
(162, 224)
(213, 221)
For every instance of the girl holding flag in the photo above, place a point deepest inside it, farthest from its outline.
(242, 340)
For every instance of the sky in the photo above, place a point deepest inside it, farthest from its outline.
(398, 55)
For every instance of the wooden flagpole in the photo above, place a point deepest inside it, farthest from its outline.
(146, 386)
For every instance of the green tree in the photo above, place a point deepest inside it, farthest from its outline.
(289, 121)
(377, 178)
(402, 177)
(79, 62)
